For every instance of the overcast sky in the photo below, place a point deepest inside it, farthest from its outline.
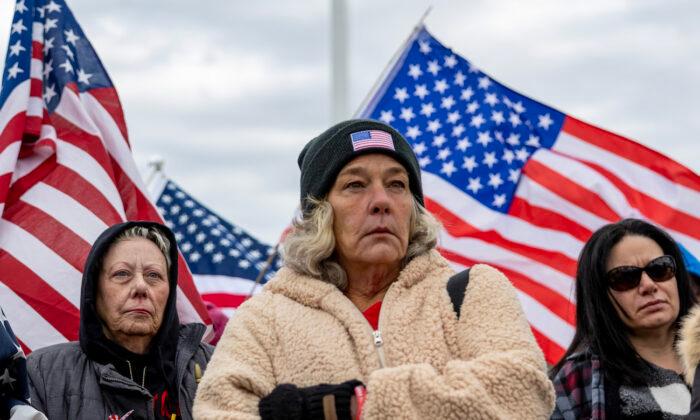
(228, 92)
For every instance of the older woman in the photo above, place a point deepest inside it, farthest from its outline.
(631, 291)
(134, 359)
(363, 301)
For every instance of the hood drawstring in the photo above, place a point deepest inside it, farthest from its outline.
(143, 376)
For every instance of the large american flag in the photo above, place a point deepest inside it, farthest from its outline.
(520, 185)
(66, 174)
(224, 259)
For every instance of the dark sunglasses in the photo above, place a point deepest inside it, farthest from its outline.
(628, 277)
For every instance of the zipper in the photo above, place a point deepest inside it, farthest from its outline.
(378, 343)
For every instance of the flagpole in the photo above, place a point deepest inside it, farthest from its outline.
(392, 62)
(156, 163)
(265, 269)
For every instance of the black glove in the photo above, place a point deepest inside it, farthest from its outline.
(288, 402)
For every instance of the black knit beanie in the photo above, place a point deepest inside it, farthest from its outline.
(324, 157)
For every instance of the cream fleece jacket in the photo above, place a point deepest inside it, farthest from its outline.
(304, 331)
(688, 345)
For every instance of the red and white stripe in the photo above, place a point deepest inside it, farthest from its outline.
(57, 195)
(590, 177)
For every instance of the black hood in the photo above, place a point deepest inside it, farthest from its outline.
(161, 355)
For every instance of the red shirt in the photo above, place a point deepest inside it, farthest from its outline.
(372, 315)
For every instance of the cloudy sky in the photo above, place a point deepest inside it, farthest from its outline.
(228, 93)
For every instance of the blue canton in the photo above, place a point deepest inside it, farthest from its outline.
(210, 244)
(463, 126)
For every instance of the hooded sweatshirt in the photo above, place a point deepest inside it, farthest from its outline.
(157, 375)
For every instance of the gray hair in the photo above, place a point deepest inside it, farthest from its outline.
(309, 248)
(151, 233)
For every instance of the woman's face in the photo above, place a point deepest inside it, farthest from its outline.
(132, 289)
(650, 305)
(372, 206)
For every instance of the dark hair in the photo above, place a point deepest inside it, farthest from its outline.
(598, 326)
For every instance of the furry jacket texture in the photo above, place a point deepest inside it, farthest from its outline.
(428, 365)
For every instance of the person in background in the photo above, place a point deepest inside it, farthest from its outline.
(134, 359)
(14, 385)
(632, 290)
(359, 322)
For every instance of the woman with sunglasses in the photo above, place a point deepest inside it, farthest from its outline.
(632, 290)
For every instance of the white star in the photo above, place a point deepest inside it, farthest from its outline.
(473, 68)
(400, 94)
(453, 117)
(467, 94)
(179, 236)
(498, 200)
(513, 139)
(16, 48)
(438, 141)
(489, 159)
(407, 114)
(484, 138)
(217, 258)
(457, 130)
(234, 252)
(444, 153)
(201, 236)
(419, 148)
(474, 185)
(477, 120)
(48, 44)
(198, 212)
(6, 378)
(175, 209)
(434, 126)
(447, 103)
(440, 86)
(491, 99)
(41, 11)
(533, 141)
(497, 117)
(522, 154)
(513, 175)
(424, 47)
(469, 163)
(186, 247)
(463, 144)
(387, 116)
(484, 82)
(421, 91)
(20, 7)
(450, 61)
(495, 180)
(183, 219)
(53, 7)
(433, 67)
(169, 224)
(448, 168)
(50, 24)
(518, 107)
(246, 242)
(244, 263)
(209, 247)
(413, 132)
(189, 204)
(195, 256)
(424, 161)
(414, 71)
(460, 78)
(13, 71)
(225, 242)
(508, 156)
(68, 51)
(427, 109)
(545, 121)
(67, 66)
(180, 194)
(192, 228)
(472, 107)
(514, 119)
(49, 93)
(18, 27)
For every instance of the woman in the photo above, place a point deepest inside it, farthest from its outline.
(631, 291)
(362, 301)
(134, 359)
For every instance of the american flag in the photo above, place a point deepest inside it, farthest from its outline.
(224, 259)
(66, 174)
(520, 185)
(371, 138)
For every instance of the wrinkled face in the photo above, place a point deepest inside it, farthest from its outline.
(372, 206)
(650, 305)
(133, 289)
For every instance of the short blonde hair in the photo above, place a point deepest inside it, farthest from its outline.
(151, 233)
(310, 248)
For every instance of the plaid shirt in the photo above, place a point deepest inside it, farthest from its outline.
(579, 389)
